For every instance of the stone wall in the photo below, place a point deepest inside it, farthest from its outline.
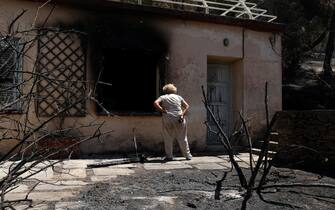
(310, 133)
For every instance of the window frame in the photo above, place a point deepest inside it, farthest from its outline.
(160, 80)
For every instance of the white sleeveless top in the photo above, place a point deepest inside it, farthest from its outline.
(172, 103)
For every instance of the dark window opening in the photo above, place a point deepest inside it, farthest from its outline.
(10, 76)
(134, 76)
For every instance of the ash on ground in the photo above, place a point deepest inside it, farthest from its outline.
(195, 189)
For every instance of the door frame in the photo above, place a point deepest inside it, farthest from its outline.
(230, 100)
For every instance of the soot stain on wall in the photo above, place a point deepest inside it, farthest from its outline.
(127, 52)
(130, 54)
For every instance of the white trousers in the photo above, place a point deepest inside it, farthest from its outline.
(175, 130)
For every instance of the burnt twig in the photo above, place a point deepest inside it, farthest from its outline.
(226, 143)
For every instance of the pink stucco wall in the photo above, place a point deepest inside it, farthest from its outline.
(191, 45)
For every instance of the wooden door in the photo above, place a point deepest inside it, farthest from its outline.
(219, 98)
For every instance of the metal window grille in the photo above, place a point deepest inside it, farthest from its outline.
(61, 66)
(10, 76)
(232, 8)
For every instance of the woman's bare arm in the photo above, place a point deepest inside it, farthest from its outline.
(185, 106)
(157, 105)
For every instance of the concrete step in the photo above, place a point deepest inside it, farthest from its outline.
(273, 145)
(257, 151)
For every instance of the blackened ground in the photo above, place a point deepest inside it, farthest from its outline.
(194, 189)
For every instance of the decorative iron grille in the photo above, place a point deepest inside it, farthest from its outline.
(61, 68)
(10, 65)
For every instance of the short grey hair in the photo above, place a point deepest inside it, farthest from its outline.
(169, 88)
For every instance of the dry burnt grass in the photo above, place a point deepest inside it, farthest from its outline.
(195, 189)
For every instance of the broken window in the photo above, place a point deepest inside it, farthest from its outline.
(61, 64)
(135, 76)
(10, 65)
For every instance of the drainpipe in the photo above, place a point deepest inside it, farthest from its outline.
(243, 42)
(243, 72)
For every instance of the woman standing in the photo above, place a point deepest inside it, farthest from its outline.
(173, 107)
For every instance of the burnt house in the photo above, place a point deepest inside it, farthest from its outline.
(133, 47)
